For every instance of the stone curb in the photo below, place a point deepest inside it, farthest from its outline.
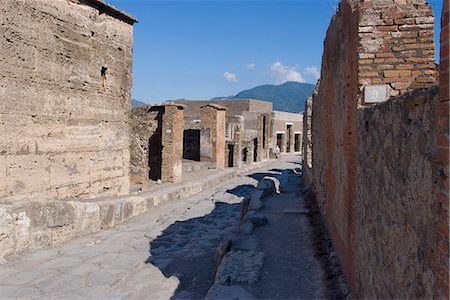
(33, 224)
(240, 261)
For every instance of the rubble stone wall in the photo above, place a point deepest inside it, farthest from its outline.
(396, 207)
(65, 84)
(443, 187)
(307, 142)
(376, 166)
(145, 123)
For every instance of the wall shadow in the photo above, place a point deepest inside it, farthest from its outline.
(187, 249)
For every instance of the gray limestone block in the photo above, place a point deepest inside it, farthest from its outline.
(270, 184)
(255, 200)
(256, 219)
(240, 267)
(235, 292)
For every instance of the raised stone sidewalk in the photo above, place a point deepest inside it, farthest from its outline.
(35, 224)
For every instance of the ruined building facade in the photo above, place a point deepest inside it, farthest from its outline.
(65, 99)
(377, 156)
(65, 94)
(252, 130)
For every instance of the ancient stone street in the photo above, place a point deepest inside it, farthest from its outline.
(171, 250)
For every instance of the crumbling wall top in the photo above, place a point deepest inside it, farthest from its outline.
(104, 7)
(216, 106)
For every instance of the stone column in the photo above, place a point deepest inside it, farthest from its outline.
(263, 136)
(212, 134)
(238, 134)
(172, 143)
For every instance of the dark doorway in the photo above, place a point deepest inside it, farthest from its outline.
(280, 141)
(191, 144)
(244, 154)
(264, 132)
(155, 149)
(230, 156)
(297, 139)
(255, 150)
(289, 138)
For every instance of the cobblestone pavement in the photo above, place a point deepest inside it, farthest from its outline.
(168, 252)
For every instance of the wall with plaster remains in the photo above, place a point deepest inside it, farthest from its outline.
(65, 72)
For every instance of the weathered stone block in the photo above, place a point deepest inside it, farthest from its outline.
(106, 215)
(6, 232)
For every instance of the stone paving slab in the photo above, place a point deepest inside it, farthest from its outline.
(161, 254)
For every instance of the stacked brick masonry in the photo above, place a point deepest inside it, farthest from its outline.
(396, 45)
(65, 78)
(442, 192)
(334, 133)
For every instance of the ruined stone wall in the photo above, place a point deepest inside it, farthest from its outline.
(375, 167)
(396, 207)
(145, 124)
(443, 186)
(334, 132)
(212, 137)
(235, 107)
(172, 143)
(307, 142)
(65, 79)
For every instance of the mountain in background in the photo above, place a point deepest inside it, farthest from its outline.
(290, 96)
(135, 102)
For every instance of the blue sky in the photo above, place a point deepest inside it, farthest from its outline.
(204, 49)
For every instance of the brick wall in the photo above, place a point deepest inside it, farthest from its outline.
(334, 132)
(396, 45)
(64, 91)
(387, 43)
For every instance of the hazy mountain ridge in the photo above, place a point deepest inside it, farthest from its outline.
(290, 96)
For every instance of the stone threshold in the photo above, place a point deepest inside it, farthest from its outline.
(33, 225)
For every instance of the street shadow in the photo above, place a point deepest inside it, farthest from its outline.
(187, 249)
(260, 176)
(242, 190)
